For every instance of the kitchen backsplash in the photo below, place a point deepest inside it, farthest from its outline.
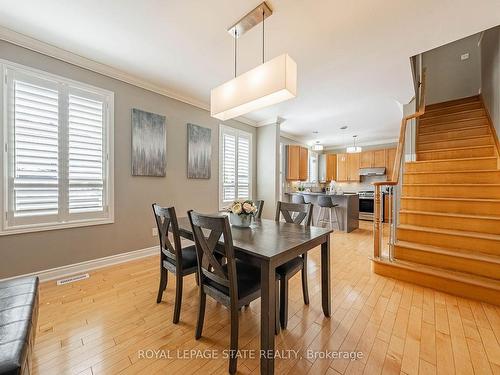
(365, 184)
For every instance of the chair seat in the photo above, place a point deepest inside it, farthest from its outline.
(248, 277)
(290, 268)
(188, 258)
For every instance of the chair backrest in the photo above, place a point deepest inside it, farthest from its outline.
(165, 218)
(207, 232)
(296, 213)
(325, 201)
(260, 207)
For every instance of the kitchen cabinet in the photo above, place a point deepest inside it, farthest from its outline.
(379, 158)
(331, 167)
(372, 159)
(390, 156)
(366, 159)
(342, 167)
(303, 164)
(353, 167)
(297, 163)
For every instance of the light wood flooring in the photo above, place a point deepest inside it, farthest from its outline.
(100, 325)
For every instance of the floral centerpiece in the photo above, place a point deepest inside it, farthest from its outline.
(241, 213)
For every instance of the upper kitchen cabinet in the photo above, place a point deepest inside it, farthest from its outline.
(390, 156)
(331, 167)
(372, 159)
(297, 163)
(342, 167)
(353, 167)
(348, 167)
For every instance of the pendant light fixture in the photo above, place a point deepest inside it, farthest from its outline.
(353, 149)
(317, 146)
(270, 83)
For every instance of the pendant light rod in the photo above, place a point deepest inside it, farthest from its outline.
(249, 20)
(263, 32)
(235, 51)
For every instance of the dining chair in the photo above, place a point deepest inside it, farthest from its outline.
(180, 261)
(260, 207)
(233, 283)
(296, 213)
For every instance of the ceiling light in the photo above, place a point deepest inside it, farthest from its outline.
(353, 149)
(269, 83)
(317, 147)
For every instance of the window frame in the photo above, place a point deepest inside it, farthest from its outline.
(63, 219)
(225, 129)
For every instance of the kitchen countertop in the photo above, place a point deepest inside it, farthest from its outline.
(320, 193)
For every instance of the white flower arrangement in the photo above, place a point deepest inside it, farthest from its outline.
(243, 208)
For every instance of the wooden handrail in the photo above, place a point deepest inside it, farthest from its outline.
(377, 225)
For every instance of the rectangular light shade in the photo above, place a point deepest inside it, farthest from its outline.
(272, 82)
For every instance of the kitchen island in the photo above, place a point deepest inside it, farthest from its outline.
(348, 208)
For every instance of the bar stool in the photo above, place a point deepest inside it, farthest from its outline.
(299, 199)
(326, 203)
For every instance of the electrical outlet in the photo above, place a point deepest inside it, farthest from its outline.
(465, 56)
(154, 231)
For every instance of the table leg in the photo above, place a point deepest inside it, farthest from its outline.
(325, 277)
(267, 318)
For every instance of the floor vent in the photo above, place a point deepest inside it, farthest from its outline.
(72, 279)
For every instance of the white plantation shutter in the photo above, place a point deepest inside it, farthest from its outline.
(235, 156)
(36, 149)
(86, 158)
(57, 151)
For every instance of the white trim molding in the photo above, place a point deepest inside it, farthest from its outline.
(76, 268)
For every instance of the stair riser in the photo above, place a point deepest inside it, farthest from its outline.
(426, 129)
(457, 154)
(450, 135)
(452, 165)
(439, 145)
(436, 282)
(441, 191)
(453, 117)
(457, 207)
(453, 178)
(454, 263)
(444, 240)
(456, 223)
(452, 103)
(452, 109)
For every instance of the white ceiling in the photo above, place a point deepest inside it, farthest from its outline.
(352, 56)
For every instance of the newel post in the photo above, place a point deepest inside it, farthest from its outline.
(377, 225)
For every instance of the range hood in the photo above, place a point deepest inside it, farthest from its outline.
(372, 171)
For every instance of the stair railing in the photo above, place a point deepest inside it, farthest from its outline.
(393, 187)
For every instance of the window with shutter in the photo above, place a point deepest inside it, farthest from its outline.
(235, 165)
(57, 169)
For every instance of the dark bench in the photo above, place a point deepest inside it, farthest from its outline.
(18, 316)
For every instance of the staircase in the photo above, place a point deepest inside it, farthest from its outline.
(448, 236)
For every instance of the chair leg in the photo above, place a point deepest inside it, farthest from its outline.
(197, 278)
(201, 314)
(338, 218)
(163, 283)
(284, 302)
(178, 298)
(330, 217)
(305, 289)
(319, 216)
(233, 346)
(277, 324)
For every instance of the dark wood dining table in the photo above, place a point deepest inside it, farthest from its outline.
(269, 244)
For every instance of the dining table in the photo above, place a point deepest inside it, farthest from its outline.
(269, 244)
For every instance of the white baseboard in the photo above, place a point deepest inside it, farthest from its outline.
(71, 269)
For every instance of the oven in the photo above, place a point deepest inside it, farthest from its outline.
(366, 205)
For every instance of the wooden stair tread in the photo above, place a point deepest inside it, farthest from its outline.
(456, 113)
(478, 200)
(453, 130)
(490, 258)
(453, 149)
(463, 277)
(448, 160)
(454, 172)
(465, 216)
(450, 103)
(453, 232)
(459, 139)
(450, 107)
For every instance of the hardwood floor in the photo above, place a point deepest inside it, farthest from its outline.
(103, 325)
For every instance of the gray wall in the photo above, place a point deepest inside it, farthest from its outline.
(268, 143)
(131, 230)
(490, 74)
(450, 78)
